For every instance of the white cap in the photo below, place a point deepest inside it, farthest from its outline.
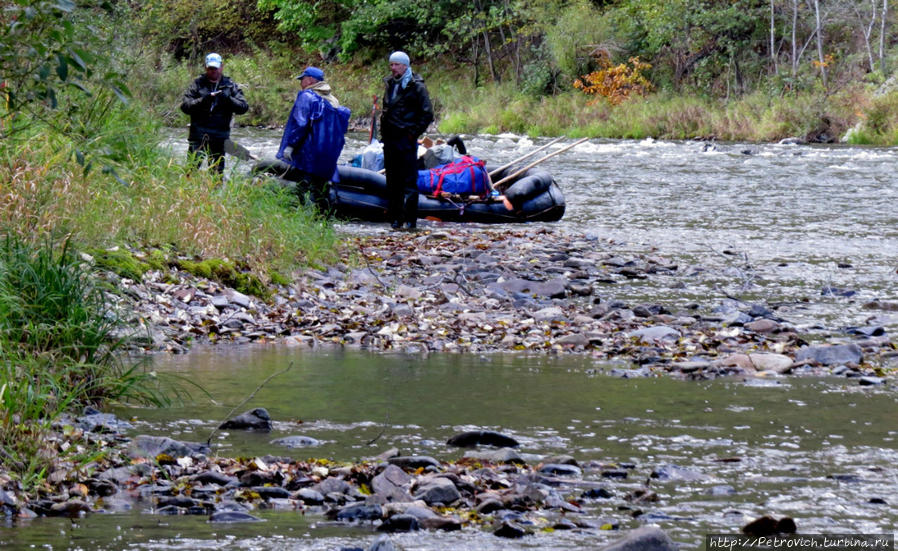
(213, 60)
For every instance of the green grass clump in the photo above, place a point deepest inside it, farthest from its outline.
(60, 350)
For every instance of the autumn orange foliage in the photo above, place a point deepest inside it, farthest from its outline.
(615, 83)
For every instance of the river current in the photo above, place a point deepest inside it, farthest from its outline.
(812, 230)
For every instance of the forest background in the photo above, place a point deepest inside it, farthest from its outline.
(754, 70)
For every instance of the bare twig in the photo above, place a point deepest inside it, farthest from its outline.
(247, 399)
(461, 285)
(383, 429)
(370, 269)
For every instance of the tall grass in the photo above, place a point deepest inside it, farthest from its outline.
(59, 350)
(755, 117)
(152, 200)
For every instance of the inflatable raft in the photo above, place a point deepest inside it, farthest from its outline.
(361, 194)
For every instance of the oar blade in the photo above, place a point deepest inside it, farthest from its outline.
(237, 150)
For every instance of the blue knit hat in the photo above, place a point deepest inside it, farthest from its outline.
(400, 57)
(313, 72)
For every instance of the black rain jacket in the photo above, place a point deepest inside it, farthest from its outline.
(409, 113)
(212, 114)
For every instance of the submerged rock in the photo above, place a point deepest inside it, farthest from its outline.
(644, 538)
(233, 516)
(255, 419)
(483, 438)
(297, 441)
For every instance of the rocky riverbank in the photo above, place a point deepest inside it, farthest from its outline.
(439, 289)
(466, 289)
(491, 487)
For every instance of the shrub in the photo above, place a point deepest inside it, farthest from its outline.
(616, 83)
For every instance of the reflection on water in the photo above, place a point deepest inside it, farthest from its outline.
(815, 450)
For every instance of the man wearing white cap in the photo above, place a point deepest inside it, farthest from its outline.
(407, 113)
(211, 101)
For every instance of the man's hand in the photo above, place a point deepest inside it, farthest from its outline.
(288, 154)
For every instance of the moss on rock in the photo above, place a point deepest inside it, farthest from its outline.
(227, 273)
(121, 262)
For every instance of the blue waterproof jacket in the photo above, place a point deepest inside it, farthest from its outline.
(316, 131)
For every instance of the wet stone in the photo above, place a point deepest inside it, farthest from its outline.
(561, 470)
(644, 538)
(437, 490)
(255, 419)
(360, 511)
(271, 492)
(831, 354)
(510, 530)
(400, 523)
(483, 437)
(310, 496)
(414, 462)
(296, 441)
(212, 477)
(503, 455)
(233, 516)
(597, 493)
(332, 486)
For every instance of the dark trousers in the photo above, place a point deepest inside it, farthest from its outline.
(314, 189)
(401, 164)
(206, 146)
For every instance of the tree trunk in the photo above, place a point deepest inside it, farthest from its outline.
(489, 56)
(794, 38)
(518, 68)
(867, 30)
(882, 37)
(486, 43)
(820, 58)
(773, 39)
(475, 56)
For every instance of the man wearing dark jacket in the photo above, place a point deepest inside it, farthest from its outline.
(407, 113)
(211, 101)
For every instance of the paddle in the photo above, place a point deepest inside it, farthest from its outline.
(372, 132)
(536, 162)
(519, 159)
(237, 150)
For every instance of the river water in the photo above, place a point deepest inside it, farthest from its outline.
(781, 225)
(812, 230)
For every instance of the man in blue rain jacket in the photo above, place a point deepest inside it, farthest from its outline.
(314, 136)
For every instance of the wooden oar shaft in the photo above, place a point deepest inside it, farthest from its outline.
(536, 162)
(519, 159)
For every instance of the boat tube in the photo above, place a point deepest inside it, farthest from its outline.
(362, 194)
